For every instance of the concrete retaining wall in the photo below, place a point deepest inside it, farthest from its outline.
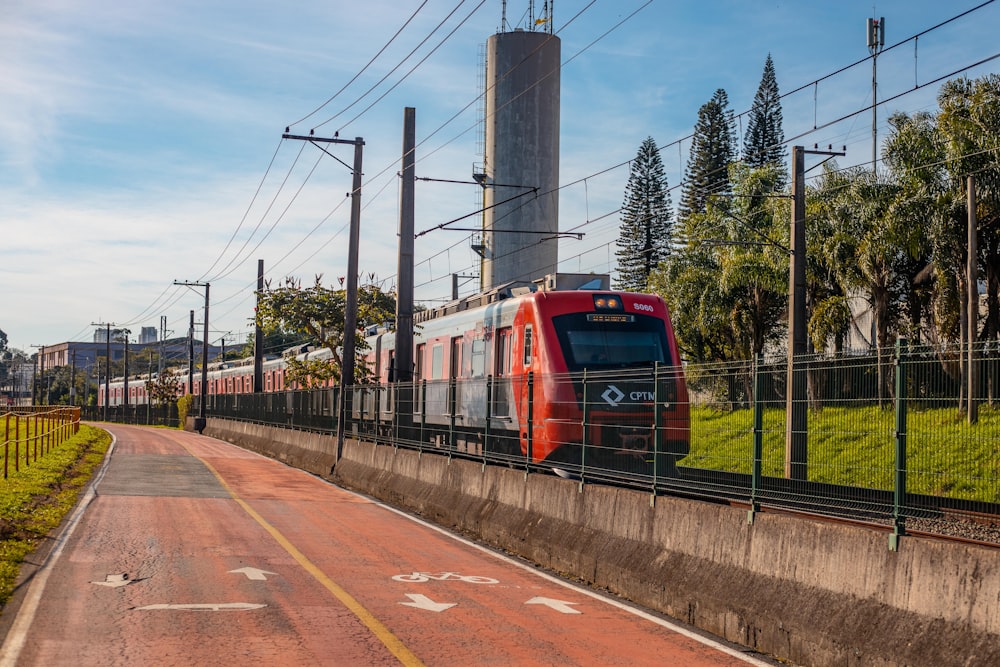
(813, 593)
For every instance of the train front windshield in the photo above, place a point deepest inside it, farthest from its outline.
(595, 342)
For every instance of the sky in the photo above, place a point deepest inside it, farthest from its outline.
(140, 142)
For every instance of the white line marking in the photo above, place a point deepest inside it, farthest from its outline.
(15, 641)
(209, 606)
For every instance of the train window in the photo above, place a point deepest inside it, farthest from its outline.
(502, 365)
(437, 362)
(478, 357)
(420, 362)
(527, 344)
(602, 344)
(456, 358)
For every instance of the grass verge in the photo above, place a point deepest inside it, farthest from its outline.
(34, 500)
(856, 446)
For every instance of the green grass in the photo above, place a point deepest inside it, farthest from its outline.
(856, 446)
(34, 500)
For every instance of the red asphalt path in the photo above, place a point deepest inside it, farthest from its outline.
(193, 552)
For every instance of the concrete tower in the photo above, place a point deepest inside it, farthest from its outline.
(521, 157)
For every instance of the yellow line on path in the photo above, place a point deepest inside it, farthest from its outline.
(384, 634)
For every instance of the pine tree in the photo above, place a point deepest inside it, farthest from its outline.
(764, 141)
(713, 148)
(647, 219)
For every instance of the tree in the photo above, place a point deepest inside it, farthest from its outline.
(713, 148)
(764, 141)
(275, 341)
(914, 157)
(647, 218)
(969, 123)
(754, 262)
(317, 313)
(163, 389)
(726, 285)
(5, 358)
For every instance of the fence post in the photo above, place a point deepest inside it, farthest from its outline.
(531, 420)
(899, 494)
(452, 409)
(758, 437)
(423, 414)
(657, 422)
(583, 427)
(489, 417)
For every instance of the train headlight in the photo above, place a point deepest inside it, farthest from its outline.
(607, 302)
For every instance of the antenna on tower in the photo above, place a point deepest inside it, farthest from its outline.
(545, 20)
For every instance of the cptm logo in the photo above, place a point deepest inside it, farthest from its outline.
(613, 396)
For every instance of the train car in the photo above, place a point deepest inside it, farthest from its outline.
(234, 376)
(574, 377)
(538, 373)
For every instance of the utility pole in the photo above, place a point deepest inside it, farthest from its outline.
(201, 421)
(258, 336)
(38, 383)
(876, 41)
(163, 342)
(124, 333)
(191, 355)
(351, 305)
(404, 271)
(107, 364)
(796, 414)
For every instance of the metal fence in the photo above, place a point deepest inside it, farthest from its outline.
(143, 414)
(893, 438)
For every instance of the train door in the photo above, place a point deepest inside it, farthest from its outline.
(455, 374)
(501, 371)
(525, 397)
(418, 378)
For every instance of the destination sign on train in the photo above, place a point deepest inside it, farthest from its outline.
(610, 317)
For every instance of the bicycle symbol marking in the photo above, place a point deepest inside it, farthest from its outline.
(421, 577)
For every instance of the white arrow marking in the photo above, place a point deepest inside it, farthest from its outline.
(114, 580)
(211, 606)
(561, 606)
(253, 573)
(424, 602)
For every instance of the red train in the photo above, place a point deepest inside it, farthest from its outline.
(520, 373)
(540, 372)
